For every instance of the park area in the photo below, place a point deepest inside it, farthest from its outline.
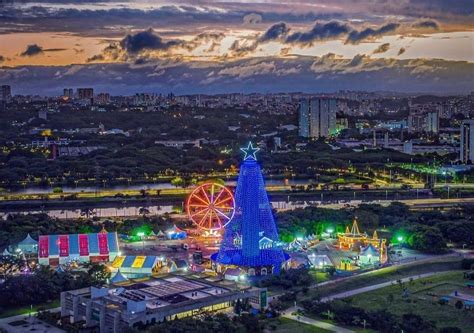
(425, 297)
(285, 325)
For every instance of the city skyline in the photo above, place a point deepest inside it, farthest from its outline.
(212, 46)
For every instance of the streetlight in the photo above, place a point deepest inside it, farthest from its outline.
(330, 231)
(141, 234)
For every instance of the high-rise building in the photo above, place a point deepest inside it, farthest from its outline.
(5, 93)
(467, 141)
(303, 112)
(103, 98)
(85, 93)
(317, 117)
(424, 122)
(432, 122)
(68, 92)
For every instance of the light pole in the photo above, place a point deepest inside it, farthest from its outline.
(141, 234)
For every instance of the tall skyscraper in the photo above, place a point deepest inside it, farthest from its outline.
(317, 117)
(424, 122)
(432, 122)
(85, 93)
(303, 112)
(5, 93)
(467, 141)
(68, 92)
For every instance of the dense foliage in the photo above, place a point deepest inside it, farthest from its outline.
(45, 284)
(16, 227)
(138, 157)
(209, 324)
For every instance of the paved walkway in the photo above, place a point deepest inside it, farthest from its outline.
(321, 324)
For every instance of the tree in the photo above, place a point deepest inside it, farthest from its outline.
(177, 181)
(143, 211)
(99, 274)
(412, 323)
(10, 265)
(459, 305)
(428, 239)
(450, 329)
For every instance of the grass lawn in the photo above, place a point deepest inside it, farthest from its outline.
(286, 325)
(418, 302)
(320, 276)
(27, 309)
(388, 274)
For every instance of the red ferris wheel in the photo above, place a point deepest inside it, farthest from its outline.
(210, 206)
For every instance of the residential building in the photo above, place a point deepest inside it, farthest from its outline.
(68, 93)
(5, 93)
(467, 141)
(85, 93)
(304, 113)
(317, 117)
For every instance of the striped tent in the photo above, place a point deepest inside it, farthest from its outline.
(59, 249)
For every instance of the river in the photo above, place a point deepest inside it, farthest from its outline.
(137, 187)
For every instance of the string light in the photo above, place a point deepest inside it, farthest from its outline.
(253, 220)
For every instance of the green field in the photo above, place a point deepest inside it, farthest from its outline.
(437, 264)
(320, 276)
(26, 309)
(285, 325)
(420, 302)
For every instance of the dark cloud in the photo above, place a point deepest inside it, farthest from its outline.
(267, 74)
(238, 49)
(54, 50)
(320, 31)
(204, 38)
(276, 31)
(146, 40)
(357, 36)
(252, 18)
(426, 24)
(2, 58)
(32, 50)
(96, 58)
(357, 60)
(382, 48)
(44, 16)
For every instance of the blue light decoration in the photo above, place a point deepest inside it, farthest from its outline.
(251, 238)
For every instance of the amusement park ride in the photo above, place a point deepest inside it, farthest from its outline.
(210, 207)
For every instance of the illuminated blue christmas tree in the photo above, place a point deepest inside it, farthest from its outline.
(251, 237)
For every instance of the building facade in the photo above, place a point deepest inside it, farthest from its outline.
(317, 117)
(5, 93)
(467, 142)
(55, 250)
(147, 302)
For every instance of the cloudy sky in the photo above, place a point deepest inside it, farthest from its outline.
(238, 46)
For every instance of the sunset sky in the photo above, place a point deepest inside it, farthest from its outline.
(206, 46)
